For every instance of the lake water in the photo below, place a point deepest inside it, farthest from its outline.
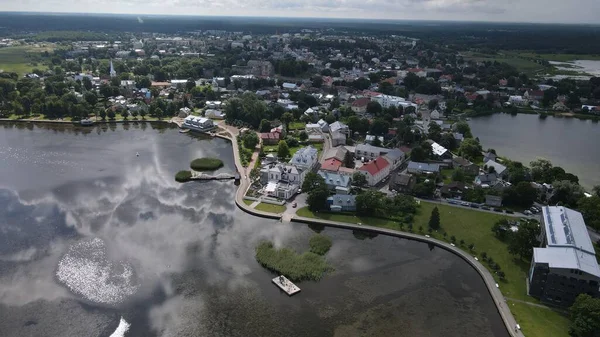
(567, 142)
(94, 240)
(591, 67)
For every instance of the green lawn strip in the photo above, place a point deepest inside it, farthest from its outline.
(271, 208)
(248, 202)
(539, 322)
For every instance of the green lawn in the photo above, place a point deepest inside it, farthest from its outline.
(521, 63)
(21, 59)
(297, 126)
(539, 322)
(248, 202)
(447, 175)
(270, 208)
(474, 227)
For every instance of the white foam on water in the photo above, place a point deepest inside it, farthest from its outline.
(121, 329)
(86, 271)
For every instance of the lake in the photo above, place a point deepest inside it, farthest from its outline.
(590, 67)
(91, 234)
(567, 142)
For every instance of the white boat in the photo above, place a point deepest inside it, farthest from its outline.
(137, 154)
(184, 130)
(86, 122)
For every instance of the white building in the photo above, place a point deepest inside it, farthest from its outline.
(387, 101)
(198, 123)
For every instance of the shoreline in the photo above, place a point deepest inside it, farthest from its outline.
(495, 293)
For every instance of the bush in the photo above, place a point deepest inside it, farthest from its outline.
(319, 244)
(296, 267)
(183, 176)
(206, 164)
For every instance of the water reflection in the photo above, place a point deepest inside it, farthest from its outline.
(113, 235)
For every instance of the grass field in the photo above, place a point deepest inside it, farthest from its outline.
(297, 126)
(21, 59)
(248, 202)
(561, 57)
(270, 208)
(475, 227)
(521, 63)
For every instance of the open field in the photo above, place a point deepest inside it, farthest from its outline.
(474, 227)
(561, 57)
(521, 63)
(22, 59)
(270, 208)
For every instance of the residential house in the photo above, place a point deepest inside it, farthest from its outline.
(565, 265)
(439, 151)
(435, 114)
(323, 125)
(370, 139)
(465, 165)
(489, 156)
(454, 190)
(335, 181)
(198, 123)
(369, 152)
(497, 167)
(312, 113)
(338, 153)
(458, 137)
(342, 203)
(395, 157)
(270, 138)
(423, 168)
(376, 170)
(403, 183)
(486, 179)
(332, 164)
(493, 200)
(359, 106)
(215, 114)
(305, 158)
(289, 86)
(213, 104)
(339, 127)
(338, 138)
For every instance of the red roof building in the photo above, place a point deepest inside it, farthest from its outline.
(331, 164)
(270, 138)
(376, 170)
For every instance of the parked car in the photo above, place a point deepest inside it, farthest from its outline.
(474, 206)
(485, 207)
(497, 210)
(527, 212)
(294, 205)
(509, 211)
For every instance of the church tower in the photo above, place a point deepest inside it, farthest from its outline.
(113, 73)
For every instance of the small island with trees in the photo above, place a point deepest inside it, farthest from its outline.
(199, 164)
(309, 265)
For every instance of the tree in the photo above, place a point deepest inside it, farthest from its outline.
(585, 316)
(303, 136)
(590, 209)
(189, 85)
(434, 219)
(540, 169)
(265, 126)
(87, 83)
(125, 113)
(359, 179)
(90, 98)
(522, 194)
(432, 104)
(102, 114)
(459, 175)
(283, 151)
(349, 160)
(453, 238)
(566, 193)
(317, 190)
(286, 119)
(435, 132)
(317, 81)
(379, 127)
(370, 202)
(501, 229)
(522, 242)
(250, 140)
(464, 128)
(111, 114)
(143, 113)
(374, 108)
(470, 148)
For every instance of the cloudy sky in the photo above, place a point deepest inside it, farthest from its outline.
(559, 11)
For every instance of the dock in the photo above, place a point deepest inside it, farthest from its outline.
(286, 285)
(220, 176)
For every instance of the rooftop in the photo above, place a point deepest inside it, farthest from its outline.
(375, 166)
(568, 242)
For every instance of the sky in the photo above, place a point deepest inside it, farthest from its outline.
(548, 11)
